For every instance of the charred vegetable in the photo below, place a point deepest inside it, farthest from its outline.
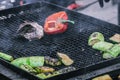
(95, 37)
(28, 69)
(66, 60)
(30, 30)
(102, 46)
(44, 69)
(33, 61)
(61, 71)
(115, 38)
(6, 56)
(115, 50)
(104, 77)
(52, 61)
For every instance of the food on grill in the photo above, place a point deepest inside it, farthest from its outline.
(95, 37)
(28, 69)
(104, 77)
(33, 61)
(96, 40)
(30, 30)
(44, 69)
(61, 71)
(6, 56)
(35, 65)
(102, 46)
(52, 61)
(57, 23)
(115, 50)
(107, 55)
(66, 60)
(115, 38)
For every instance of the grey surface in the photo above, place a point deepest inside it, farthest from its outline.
(108, 13)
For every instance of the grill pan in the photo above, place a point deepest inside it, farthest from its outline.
(73, 42)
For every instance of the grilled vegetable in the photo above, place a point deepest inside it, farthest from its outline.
(115, 38)
(61, 71)
(66, 60)
(104, 77)
(95, 37)
(115, 50)
(47, 75)
(52, 61)
(6, 56)
(107, 55)
(28, 69)
(57, 23)
(102, 46)
(33, 61)
(30, 30)
(44, 69)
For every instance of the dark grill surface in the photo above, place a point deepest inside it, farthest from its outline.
(74, 42)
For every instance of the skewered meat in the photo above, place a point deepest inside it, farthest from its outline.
(33, 61)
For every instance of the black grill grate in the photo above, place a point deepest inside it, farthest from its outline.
(73, 42)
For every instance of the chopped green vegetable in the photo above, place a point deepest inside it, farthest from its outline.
(115, 50)
(95, 37)
(28, 69)
(107, 56)
(6, 56)
(33, 61)
(102, 46)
